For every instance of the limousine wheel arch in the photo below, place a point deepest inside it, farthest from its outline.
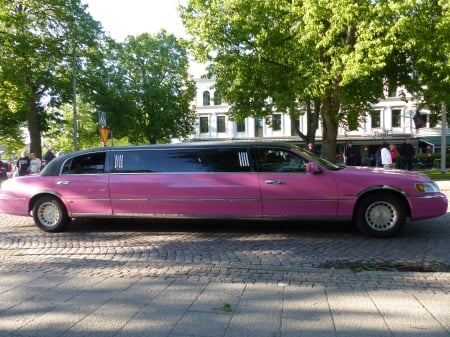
(381, 214)
(50, 214)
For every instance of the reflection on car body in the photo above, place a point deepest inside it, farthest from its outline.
(239, 180)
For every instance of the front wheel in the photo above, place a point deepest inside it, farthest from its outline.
(380, 215)
(50, 215)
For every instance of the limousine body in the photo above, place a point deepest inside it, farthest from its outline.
(236, 180)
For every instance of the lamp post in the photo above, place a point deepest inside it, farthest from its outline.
(74, 98)
(444, 138)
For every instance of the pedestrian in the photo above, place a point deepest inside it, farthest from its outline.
(352, 157)
(10, 168)
(407, 152)
(23, 164)
(386, 159)
(394, 153)
(49, 156)
(35, 164)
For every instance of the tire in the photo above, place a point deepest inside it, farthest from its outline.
(380, 215)
(50, 215)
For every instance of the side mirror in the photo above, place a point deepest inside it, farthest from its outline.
(312, 167)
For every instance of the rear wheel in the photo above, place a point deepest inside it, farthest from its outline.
(380, 214)
(50, 215)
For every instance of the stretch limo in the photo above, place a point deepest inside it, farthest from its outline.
(239, 180)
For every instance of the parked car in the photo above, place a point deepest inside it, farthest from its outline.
(238, 180)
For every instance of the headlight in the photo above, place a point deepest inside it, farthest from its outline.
(427, 187)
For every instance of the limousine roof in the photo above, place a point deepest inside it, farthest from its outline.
(53, 166)
(208, 144)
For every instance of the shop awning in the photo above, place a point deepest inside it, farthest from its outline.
(434, 140)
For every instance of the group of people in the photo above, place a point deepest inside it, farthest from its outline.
(387, 156)
(25, 165)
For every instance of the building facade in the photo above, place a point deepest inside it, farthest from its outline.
(392, 120)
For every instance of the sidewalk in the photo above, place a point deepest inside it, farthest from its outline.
(130, 303)
(444, 185)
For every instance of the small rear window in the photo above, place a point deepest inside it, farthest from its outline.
(92, 163)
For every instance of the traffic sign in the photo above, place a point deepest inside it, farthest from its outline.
(102, 118)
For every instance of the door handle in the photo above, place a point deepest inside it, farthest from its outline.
(63, 182)
(273, 182)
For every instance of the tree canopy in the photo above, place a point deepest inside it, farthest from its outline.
(54, 53)
(41, 42)
(146, 89)
(339, 53)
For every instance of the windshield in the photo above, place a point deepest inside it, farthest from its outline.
(321, 161)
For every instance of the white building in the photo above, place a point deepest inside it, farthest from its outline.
(391, 120)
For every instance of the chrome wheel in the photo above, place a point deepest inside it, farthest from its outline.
(49, 214)
(381, 216)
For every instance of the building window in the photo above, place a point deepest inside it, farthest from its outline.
(204, 124)
(259, 127)
(376, 122)
(206, 98)
(295, 126)
(217, 98)
(240, 126)
(276, 122)
(396, 117)
(221, 124)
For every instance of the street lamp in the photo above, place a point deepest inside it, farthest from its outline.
(444, 138)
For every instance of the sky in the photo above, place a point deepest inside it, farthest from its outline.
(121, 18)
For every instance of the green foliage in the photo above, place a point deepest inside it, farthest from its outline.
(146, 90)
(41, 42)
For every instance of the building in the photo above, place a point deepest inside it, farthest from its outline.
(391, 120)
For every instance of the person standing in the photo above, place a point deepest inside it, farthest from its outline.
(35, 164)
(394, 153)
(386, 159)
(406, 150)
(49, 156)
(23, 165)
(351, 155)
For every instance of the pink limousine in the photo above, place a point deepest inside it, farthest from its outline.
(238, 180)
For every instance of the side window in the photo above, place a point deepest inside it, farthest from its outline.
(182, 160)
(279, 160)
(91, 163)
(224, 160)
(145, 161)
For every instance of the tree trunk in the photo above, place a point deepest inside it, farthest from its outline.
(330, 114)
(33, 128)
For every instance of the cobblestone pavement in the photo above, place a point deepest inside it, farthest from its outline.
(316, 254)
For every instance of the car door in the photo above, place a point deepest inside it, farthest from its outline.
(288, 190)
(83, 185)
(184, 182)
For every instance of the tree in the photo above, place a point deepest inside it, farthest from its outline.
(429, 22)
(333, 52)
(41, 40)
(146, 90)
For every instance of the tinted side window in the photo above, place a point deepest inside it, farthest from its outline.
(224, 160)
(181, 160)
(91, 163)
(279, 160)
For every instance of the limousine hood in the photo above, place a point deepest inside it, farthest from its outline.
(360, 171)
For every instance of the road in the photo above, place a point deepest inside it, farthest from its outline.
(233, 251)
